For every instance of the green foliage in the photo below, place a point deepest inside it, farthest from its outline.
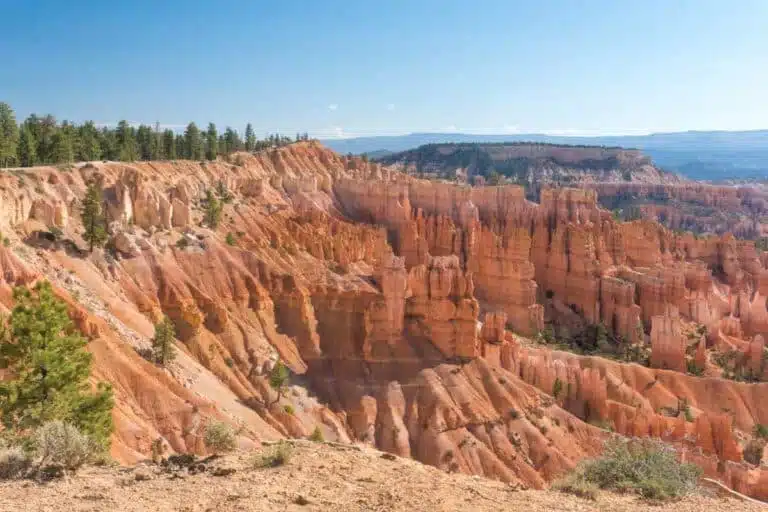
(761, 244)
(273, 456)
(648, 468)
(250, 138)
(288, 408)
(211, 142)
(317, 435)
(230, 239)
(693, 369)
(88, 145)
(212, 210)
(557, 388)
(93, 217)
(182, 243)
(14, 462)
(193, 143)
(49, 368)
(278, 377)
(578, 486)
(163, 350)
(127, 145)
(27, 149)
(9, 135)
(169, 145)
(62, 445)
(761, 431)
(219, 437)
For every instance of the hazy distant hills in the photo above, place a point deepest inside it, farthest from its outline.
(713, 155)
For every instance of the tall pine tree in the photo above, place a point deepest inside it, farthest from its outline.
(9, 136)
(27, 147)
(49, 368)
(93, 218)
(144, 139)
(163, 350)
(169, 145)
(250, 138)
(62, 147)
(89, 146)
(193, 142)
(127, 147)
(211, 142)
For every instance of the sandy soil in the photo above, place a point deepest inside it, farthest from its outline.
(318, 477)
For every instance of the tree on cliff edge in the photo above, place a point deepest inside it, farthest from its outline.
(93, 218)
(48, 368)
(250, 138)
(9, 135)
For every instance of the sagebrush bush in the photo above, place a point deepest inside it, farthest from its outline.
(648, 468)
(273, 456)
(317, 435)
(219, 437)
(63, 445)
(753, 451)
(14, 462)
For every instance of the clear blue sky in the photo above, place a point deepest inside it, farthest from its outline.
(364, 67)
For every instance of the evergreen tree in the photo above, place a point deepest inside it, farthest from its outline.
(181, 146)
(48, 368)
(212, 210)
(163, 351)
(108, 144)
(250, 138)
(47, 127)
(93, 217)
(211, 142)
(62, 146)
(157, 151)
(169, 145)
(144, 140)
(27, 147)
(232, 141)
(9, 136)
(89, 147)
(127, 147)
(193, 142)
(278, 377)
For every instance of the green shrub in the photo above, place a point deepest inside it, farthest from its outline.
(575, 484)
(317, 435)
(230, 239)
(219, 437)
(274, 456)
(648, 468)
(60, 444)
(14, 462)
(289, 409)
(761, 431)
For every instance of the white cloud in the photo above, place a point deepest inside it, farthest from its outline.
(333, 106)
(391, 106)
(511, 128)
(450, 128)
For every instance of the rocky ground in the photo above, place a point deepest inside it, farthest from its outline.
(318, 476)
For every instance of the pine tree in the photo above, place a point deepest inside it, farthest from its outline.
(163, 351)
(193, 143)
(108, 144)
(157, 151)
(169, 145)
(278, 377)
(27, 147)
(47, 127)
(89, 147)
(144, 140)
(212, 210)
(250, 138)
(62, 147)
(9, 136)
(49, 369)
(181, 146)
(211, 142)
(127, 147)
(93, 217)
(232, 141)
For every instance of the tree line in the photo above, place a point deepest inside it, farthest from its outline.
(42, 140)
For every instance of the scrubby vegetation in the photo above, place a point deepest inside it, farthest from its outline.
(648, 468)
(273, 456)
(219, 437)
(163, 350)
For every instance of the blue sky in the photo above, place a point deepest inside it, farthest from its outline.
(364, 67)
